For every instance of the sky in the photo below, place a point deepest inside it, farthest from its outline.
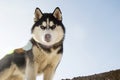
(92, 42)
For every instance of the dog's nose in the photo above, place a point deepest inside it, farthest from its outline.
(47, 37)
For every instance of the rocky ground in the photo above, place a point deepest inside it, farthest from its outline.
(111, 75)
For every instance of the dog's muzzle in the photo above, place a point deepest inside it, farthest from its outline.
(47, 37)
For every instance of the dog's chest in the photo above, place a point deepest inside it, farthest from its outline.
(43, 59)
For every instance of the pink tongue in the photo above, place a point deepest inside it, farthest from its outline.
(47, 37)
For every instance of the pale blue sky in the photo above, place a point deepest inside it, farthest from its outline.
(92, 43)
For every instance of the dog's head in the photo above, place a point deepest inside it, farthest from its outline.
(48, 28)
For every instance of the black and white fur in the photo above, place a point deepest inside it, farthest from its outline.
(43, 52)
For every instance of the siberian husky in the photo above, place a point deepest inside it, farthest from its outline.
(43, 52)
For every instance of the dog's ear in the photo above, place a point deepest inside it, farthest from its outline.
(57, 14)
(38, 14)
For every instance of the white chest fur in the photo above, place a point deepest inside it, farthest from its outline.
(43, 59)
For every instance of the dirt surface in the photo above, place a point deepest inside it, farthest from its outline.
(111, 75)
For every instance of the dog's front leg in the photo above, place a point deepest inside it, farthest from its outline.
(49, 72)
(31, 70)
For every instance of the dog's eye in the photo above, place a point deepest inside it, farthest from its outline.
(53, 26)
(43, 27)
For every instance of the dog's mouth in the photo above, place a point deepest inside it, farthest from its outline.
(47, 37)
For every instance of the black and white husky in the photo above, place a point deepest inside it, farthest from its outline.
(43, 52)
